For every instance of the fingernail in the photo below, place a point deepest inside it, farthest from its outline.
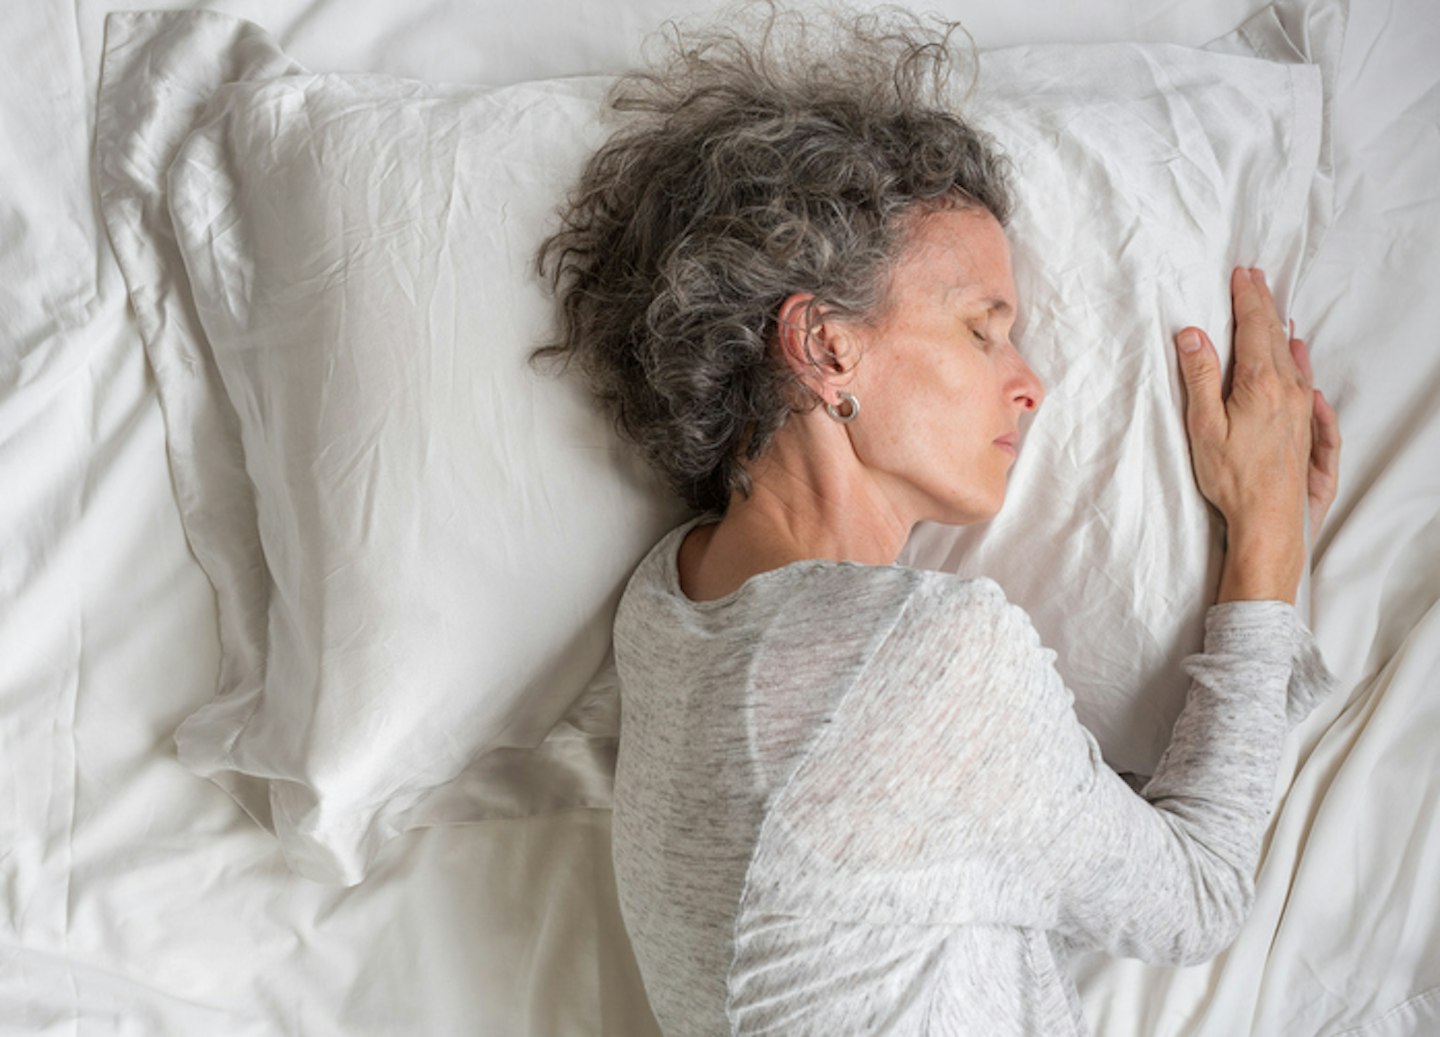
(1188, 341)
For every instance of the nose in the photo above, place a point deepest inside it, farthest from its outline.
(1028, 392)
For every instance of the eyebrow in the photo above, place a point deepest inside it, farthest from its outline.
(992, 303)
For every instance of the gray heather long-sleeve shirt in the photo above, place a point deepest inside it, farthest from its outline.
(856, 800)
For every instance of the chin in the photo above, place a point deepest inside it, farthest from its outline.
(989, 513)
(971, 512)
(989, 509)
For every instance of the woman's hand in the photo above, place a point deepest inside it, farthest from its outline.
(1262, 451)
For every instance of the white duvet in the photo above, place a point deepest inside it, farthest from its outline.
(137, 898)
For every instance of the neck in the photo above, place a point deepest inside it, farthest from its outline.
(810, 499)
(800, 509)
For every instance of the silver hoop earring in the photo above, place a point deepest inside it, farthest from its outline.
(846, 416)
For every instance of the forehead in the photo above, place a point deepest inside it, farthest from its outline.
(960, 254)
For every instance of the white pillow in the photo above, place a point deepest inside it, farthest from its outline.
(417, 540)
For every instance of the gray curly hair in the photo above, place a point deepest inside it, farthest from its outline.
(795, 162)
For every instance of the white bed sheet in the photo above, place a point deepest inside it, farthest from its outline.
(136, 898)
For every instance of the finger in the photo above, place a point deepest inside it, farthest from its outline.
(1270, 315)
(1324, 461)
(1325, 436)
(1200, 369)
(1262, 289)
(1245, 295)
(1255, 325)
(1300, 353)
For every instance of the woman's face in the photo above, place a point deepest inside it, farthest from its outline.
(940, 384)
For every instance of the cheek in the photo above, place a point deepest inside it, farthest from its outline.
(955, 395)
(930, 410)
(927, 402)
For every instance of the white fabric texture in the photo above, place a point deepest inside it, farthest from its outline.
(417, 538)
(905, 827)
(435, 551)
(138, 899)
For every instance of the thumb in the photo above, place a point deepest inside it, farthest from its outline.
(1200, 368)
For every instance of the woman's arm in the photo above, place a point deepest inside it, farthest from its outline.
(956, 786)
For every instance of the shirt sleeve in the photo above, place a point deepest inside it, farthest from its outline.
(954, 785)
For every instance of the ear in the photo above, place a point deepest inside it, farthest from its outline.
(819, 350)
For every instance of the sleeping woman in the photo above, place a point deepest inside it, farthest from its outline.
(854, 797)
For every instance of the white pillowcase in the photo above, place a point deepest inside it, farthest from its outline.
(447, 530)
(417, 540)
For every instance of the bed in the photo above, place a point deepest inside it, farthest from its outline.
(145, 890)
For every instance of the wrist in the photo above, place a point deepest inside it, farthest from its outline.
(1261, 567)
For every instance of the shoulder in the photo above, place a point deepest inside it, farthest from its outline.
(917, 604)
(955, 597)
(971, 614)
(958, 657)
(932, 639)
(939, 752)
(925, 609)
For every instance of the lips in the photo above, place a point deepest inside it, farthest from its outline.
(1010, 442)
